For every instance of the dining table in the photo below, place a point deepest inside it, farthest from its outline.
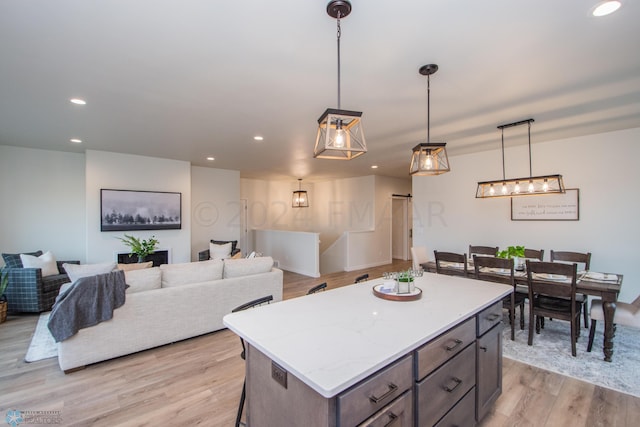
(603, 285)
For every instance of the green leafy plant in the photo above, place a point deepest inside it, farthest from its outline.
(4, 282)
(140, 247)
(511, 252)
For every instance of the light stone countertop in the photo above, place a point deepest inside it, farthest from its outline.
(331, 340)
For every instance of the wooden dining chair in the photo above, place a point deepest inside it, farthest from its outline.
(580, 258)
(451, 257)
(318, 288)
(482, 266)
(482, 250)
(362, 278)
(260, 301)
(626, 314)
(534, 254)
(549, 297)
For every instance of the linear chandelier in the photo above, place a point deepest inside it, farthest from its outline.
(300, 199)
(527, 186)
(429, 158)
(340, 134)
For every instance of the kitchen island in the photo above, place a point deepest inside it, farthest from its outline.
(346, 357)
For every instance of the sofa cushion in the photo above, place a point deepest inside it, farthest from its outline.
(76, 271)
(234, 243)
(246, 266)
(191, 272)
(135, 266)
(46, 262)
(144, 279)
(220, 251)
(14, 261)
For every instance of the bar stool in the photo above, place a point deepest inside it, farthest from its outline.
(250, 304)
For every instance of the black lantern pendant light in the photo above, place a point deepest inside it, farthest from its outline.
(429, 158)
(300, 198)
(527, 186)
(340, 135)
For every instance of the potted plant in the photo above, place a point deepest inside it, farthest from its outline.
(4, 282)
(141, 247)
(515, 252)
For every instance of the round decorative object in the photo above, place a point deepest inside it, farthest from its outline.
(339, 6)
(414, 295)
(427, 70)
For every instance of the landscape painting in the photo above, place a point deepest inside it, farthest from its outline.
(125, 210)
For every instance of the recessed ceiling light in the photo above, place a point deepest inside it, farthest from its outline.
(76, 140)
(606, 7)
(374, 166)
(78, 101)
(211, 158)
(258, 138)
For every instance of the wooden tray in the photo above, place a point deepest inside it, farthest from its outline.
(412, 296)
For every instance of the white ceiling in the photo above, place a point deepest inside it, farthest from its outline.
(186, 79)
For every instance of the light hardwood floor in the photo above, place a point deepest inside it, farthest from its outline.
(198, 382)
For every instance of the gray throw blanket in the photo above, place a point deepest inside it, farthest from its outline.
(89, 301)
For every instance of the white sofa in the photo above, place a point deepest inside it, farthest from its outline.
(171, 303)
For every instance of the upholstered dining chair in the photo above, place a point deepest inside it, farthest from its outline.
(626, 314)
(419, 255)
(482, 250)
(362, 278)
(485, 269)
(260, 301)
(451, 257)
(317, 288)
(552, 293)
(580, 258)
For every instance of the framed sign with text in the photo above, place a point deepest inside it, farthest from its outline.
(553, 207)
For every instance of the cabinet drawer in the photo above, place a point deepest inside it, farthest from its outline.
(463, 414)
(371, 395)
(443, 348)
(440, 391)
(489, 317)
(399, 413)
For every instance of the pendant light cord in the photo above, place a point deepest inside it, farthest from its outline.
(339, 33)
(503, 174)
(428, 108)
(530, 168)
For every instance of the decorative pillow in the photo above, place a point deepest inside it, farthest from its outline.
(75, 271)
(217, 251)
(14, 261)
(234, 243)
(46, 262)
(246, 267)
(145, 279)
(191, 272)
(135, 266)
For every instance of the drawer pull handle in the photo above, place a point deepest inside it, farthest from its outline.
(392, 419)
(483, 349)
(493, 317)
(457, 343)
(458, 381)
(392, 389)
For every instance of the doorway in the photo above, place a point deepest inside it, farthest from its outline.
(401, 239)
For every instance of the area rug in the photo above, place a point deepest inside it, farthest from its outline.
(551, 351)
(42, 346)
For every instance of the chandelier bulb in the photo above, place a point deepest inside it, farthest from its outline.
(504, 188)
(531, 188)
(545, 186)
(516, 188)
(492, 191)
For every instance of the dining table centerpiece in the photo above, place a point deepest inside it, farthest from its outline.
(515, 252)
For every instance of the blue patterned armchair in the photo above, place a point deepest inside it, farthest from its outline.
(28, 291)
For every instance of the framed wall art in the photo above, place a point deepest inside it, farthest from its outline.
(125, 210)
(552, 207)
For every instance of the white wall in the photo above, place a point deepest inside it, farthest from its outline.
(604, 167)
(128, 172)
(215, 200)
(43, 204)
